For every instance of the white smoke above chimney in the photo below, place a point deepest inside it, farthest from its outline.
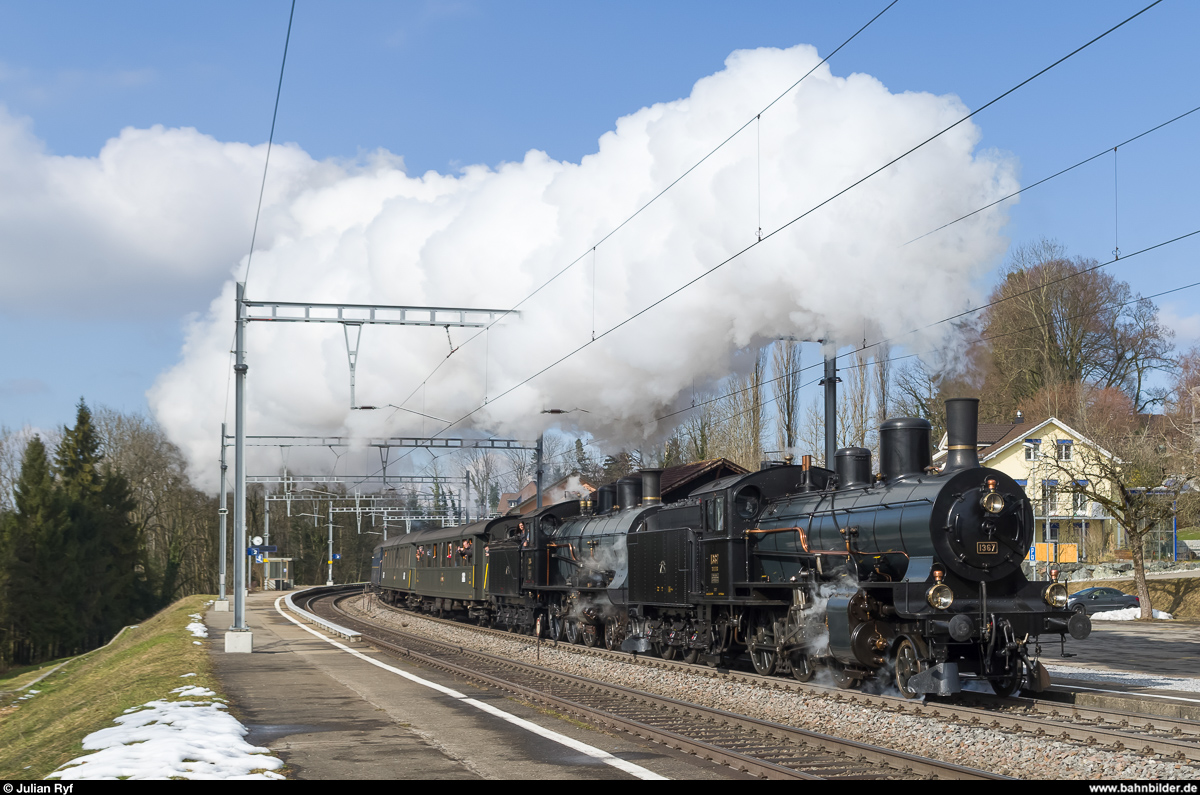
(370, 233)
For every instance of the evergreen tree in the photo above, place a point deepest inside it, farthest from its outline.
(38, 618)
(107, 572)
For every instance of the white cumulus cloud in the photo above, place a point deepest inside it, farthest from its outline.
(172, 209)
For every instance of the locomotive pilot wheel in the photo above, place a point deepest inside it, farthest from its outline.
(802, 667)
(1004, 685)
(843, 678)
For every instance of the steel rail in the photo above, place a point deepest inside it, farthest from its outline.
(799, 741)
(1055, 723)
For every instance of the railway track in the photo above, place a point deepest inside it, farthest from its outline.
(1150, 735)
(757, 747)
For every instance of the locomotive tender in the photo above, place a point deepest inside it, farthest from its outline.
(911, 573)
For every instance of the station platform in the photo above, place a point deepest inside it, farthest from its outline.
(330, 714)
(1147, 666)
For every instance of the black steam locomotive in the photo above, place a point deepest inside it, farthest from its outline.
(911, 573)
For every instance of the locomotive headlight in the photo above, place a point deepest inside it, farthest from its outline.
(1055, 595)
(939, 596)
(992, 502)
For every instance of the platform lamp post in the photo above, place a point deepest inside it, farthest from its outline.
(222, 603)
(239, 639)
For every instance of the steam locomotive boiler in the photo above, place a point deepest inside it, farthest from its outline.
(908, 573)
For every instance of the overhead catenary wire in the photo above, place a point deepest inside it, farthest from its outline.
(261, 191)
(270, 142)
(811, 210)
(805, 214)
(857, 365)
(1055, 175)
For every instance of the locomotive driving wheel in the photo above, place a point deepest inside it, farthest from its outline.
(558, 629)
(908, 665)
(691, 655)
(591, 635)
(762, 653)
(572, 631)
(612, 634)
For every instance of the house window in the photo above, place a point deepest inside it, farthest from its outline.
(1050, 497)
(1032, 446)
(1079, 502)
(1064, 450)
(1052, 532)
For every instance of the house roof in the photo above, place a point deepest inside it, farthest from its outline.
(1011, 434)
(1020, 433)
(675, 478)
(528, 495)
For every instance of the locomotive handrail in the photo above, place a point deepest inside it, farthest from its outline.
(329, 626)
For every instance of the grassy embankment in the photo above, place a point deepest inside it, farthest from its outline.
(1179, 596)
(41, 733)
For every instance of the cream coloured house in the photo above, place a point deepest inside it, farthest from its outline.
(1039, 456)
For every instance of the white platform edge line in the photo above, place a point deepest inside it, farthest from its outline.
(561, 739)
(348, 634)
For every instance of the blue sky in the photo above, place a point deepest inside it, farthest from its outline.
(446, 85)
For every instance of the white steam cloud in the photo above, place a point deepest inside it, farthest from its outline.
(370, 233)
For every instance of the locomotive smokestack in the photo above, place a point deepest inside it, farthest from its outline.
(651, 486)
(962, 433)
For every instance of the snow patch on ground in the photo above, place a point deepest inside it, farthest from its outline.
(191, 738)
(1126, 678)
(1128, 614)
(184, 676)
(196, 628)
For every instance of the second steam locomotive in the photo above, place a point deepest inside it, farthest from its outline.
(908, 573)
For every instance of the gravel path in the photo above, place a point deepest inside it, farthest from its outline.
(1012, 754)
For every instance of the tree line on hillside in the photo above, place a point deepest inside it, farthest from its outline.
(100, 527)
(75, 569)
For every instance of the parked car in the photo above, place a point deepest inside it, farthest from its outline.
(1099, 600)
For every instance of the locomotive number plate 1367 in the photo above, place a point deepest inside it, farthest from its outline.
(987, 547)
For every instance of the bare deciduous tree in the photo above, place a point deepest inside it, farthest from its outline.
(741, 418)
(1058, 320)
(785, 369)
